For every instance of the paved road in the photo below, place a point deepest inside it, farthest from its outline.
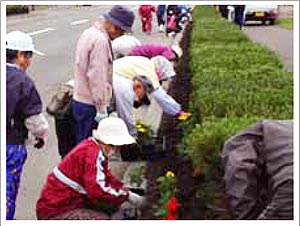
(278, 39)
(55, 32)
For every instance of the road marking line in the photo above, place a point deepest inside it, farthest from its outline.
(79, 22)
(41, 31)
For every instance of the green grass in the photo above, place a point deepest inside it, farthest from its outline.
(233, 76)
(203, 143)
(235, 83)
(287, 23)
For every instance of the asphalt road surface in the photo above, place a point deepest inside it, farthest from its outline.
(277, 39)
(55, 32)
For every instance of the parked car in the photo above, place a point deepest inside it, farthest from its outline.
(266, 13)
(223, 9)
(16, 9)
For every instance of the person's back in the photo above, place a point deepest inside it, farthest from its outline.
(131, 66)
(151, 50)
(161, 9)
(258, 166)
(20, 103)
(89, 42)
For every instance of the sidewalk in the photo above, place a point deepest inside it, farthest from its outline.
(276, 39)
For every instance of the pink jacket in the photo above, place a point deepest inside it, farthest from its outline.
(93, 68)
(150, 50)
(82, 176)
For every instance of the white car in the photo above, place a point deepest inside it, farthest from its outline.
(263, 13)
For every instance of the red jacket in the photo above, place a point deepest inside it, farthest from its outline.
(146, 11)
(82, 176)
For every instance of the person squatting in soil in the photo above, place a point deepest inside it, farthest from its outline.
(93, 69)
(81, 186)
(135, 82)
(23, 112)
(130, 46)
(258, 166)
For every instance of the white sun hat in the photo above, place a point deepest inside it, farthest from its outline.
(122, 45)
(18, 40)
(113, 130)
(177, 50)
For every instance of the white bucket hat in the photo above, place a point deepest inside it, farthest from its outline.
(113, 130)
(177, 50)
(122, 45)
(17, 40)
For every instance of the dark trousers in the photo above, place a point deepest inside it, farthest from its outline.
(239, 16)
(65, 133)
(160, 19)
(84, 120)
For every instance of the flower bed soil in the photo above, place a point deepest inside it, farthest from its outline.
(191, 207)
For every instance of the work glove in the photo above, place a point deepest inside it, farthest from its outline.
(183, 116)
(135, 199)
(101, 115)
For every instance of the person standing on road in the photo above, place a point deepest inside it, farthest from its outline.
(145, 12)
(23, 113)
(161, 17)
(93, 69)
(239, 15)
(82, 187)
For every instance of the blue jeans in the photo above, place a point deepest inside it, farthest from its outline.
(15, 158)
(84, 119)
(240, 17)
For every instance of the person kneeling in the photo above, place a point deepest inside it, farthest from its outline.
(82, 186)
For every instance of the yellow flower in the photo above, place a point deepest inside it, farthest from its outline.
(142, 130)
(170, 174)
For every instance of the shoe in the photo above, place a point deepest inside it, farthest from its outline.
(161, 27)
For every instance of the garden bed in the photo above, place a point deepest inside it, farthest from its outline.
(171, 132)
(227, 82)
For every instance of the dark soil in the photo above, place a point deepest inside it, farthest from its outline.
(166, 157)
(170, 136)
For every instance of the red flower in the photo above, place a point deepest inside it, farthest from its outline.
(172, 207)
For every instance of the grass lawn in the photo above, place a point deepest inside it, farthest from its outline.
(235, 83)
(286, 23)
